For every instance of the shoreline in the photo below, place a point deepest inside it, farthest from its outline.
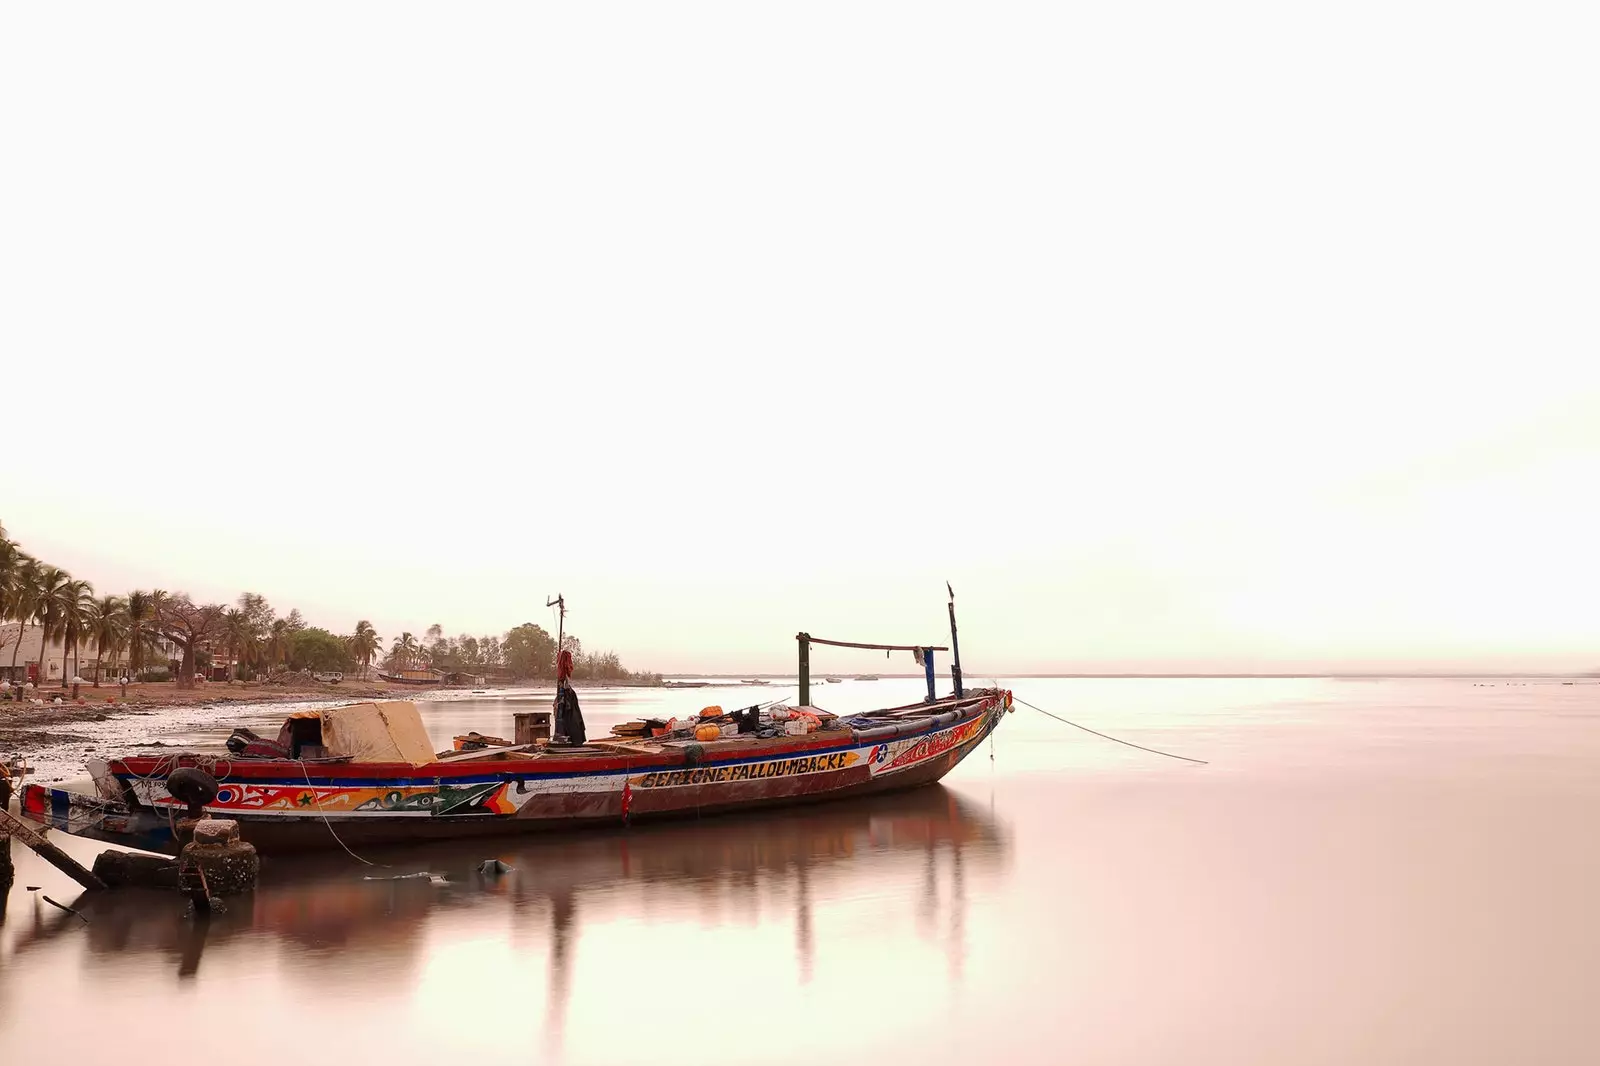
(56, 738)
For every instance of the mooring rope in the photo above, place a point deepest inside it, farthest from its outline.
(317, 800)
(1105, 736)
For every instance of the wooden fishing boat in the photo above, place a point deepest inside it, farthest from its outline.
(367, 773)
(413, 677)
(380, 782)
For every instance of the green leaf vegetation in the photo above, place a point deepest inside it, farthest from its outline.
(147, 633)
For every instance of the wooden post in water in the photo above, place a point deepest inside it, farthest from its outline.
(805, 668)
(47, 851)
(8, 872)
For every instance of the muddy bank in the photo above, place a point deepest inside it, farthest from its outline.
(57, 754)
(57, 738)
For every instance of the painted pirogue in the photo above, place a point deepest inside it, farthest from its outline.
(380, 783)
(367, 773)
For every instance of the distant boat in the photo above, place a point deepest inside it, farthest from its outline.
(685, 684)
(866, 677)
(755, 681)
(832, 680)
(413, 677)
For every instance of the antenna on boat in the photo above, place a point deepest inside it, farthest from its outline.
(561, 621)
(955, 646)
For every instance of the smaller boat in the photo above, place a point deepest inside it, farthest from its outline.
(755, 681)
(832, 680)
(866, 677)
(413, 677)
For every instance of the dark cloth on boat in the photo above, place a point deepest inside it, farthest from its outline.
(569, 719)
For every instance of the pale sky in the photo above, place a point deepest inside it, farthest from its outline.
(1228, 336)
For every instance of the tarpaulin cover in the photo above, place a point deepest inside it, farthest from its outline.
(391, 731)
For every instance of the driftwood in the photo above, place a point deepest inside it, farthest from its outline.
(131, 869)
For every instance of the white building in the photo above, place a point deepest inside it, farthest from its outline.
(42, 665)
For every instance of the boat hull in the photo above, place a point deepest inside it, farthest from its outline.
(287, 806)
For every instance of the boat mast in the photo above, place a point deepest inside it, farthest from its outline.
(561, 628)
(955, 647)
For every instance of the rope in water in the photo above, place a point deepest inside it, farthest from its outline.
(1104, 736)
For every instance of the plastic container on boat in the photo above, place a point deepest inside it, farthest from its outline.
(708, 732)
(795, 727)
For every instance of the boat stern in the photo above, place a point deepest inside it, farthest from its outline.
(95, 818)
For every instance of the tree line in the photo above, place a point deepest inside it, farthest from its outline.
(527, 651)
(257, 641)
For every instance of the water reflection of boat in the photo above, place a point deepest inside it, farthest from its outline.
(328, 901)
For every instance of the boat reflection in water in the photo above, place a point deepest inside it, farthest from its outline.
(907, 857)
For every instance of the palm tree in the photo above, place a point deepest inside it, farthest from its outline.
(242, 638)
(11, 559)
(24, 600)
(108, 622)
(158, 598)
(280, 644)
(76, 606)
(50, 608)
(364, 645)
(139, 610)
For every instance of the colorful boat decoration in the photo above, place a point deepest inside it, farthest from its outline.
(367, 773)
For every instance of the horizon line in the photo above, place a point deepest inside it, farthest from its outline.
(968, 676)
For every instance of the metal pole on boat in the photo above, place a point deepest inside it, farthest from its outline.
(805, 668)
(955, 646)
(561, 622)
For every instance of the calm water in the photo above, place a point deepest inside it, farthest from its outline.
(1372, 872)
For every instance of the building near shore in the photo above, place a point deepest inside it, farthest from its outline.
(34, 661)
